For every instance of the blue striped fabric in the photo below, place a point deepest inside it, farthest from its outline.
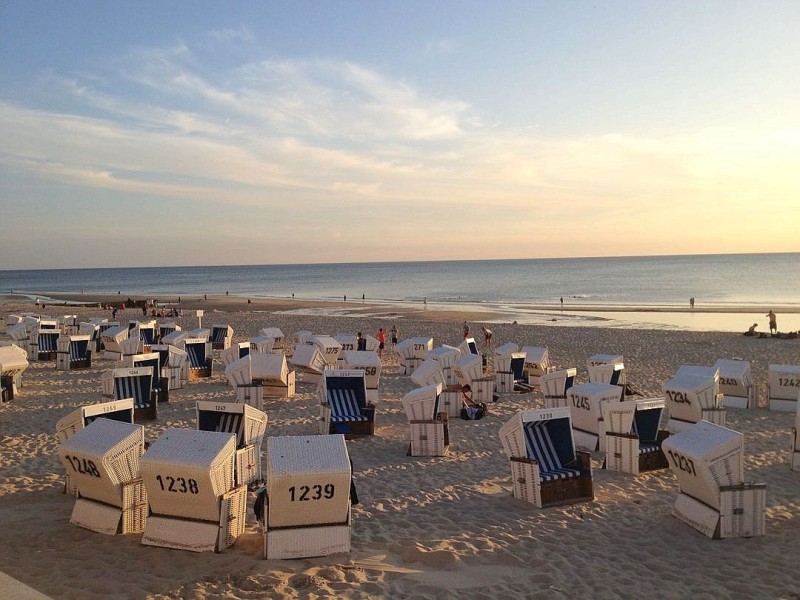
(218, 334)
(137, 387)
(232, 423)
(147, 335)
(648, 448)
(197, 355)
(77, 349)
(47, 341)
(344, 406)
(540, 447)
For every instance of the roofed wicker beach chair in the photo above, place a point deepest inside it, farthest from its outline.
(309, 362)
(103, 461)
(234, 352)
(735, 381)
(175, 338)
(708, 462)
(74, 352)
(468, 370)
(469, 346)
(173, 362)
(198, 350)
(13, 363)
(428, 425)
(111, 339)
(221, 337)
(272, 373)
(509, 369)
(166, 328)
(607, 368)
(783, 382)
(44, 344)
(633, 435)
(429, 372)
(247, 423)
(146, 332)
(692, 395)
(154, 360)
(277, 337)
(193, 499)
(343, 403)
(262, 343)
(554, 386)
(585, 403)
(18, 334)
(446, 356)
(329, 348)
(137, 384)
(309, 491)
(546, 470)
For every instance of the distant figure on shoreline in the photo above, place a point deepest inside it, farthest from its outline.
(691, 302)
(773, 322)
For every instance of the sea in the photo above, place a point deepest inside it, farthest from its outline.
(730, 291)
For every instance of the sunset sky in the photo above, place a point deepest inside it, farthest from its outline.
(195, 133)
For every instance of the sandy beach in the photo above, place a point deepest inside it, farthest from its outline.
(445, 527)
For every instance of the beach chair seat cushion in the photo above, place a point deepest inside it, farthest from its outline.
(136, 388)
(541, 448)
(647, 448)
(344, 406)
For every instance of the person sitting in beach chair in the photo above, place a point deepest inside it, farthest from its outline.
(471, 411)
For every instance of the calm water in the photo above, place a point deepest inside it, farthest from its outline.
(724, 281)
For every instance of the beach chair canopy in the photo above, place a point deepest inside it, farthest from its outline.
(328, 347)
(555, 384)
(735, 377)
(784, 381)
(586, 401)
(72, 423)
(136, 384)
(688, 394)
(221, 333)
(367, 361)
(13, 361)
(445, 355)
(422, 404)
(262, 343)
(248, 424)
(234, 352)
(506, 349)
(176, 338)
(197, 349)
(429, 372)
(269, 368)
(468, 346)
(468, 368)
(276, 334)
(309, 358)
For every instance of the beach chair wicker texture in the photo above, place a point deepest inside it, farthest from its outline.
(468, 368)
(429, 372)
(633, 435)
(13, 363)
(586, 402)
(783, 382)
(72, 423)
(692, 395)
(735, 381)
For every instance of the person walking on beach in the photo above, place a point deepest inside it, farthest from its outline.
(381, 337)
(38, 302)
(691, 302)
(394, 334)
(487, 337)
(773, 322)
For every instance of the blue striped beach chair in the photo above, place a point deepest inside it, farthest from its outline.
(344, 406)
(46, 344)
(546, 469)
(74, 352)
(221, 337)
(137, 384)
(200, 361)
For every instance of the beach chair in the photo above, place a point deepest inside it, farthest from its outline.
(262, 343)
(692, 395)
(153, 360)
(132, 345)
(277, 337)
(468, 370)
(308, 497)
(412, 351)
(329, 348)
(369, 362)
(509, 368)
(68, 324)
(198, 351)
(44, 344)
(783, 382)
(428, 426)
(469, 346)
(111, 338)
(537, 363)
(343, 404)
(93, 331)
(428, 373)
(234, 352)
(301, 338)
(13, 363)
(137, 384)
(240, 378)
(708, 462)
(103, 461)
(585, 403)
(172, 361)
(193, 499)
(309, 362)
(607, 368)
(145, 332)
(348, 341)
(248, 424)
(632, 435)
(166, 328)
(73, 352)
(176, 338)
(272, 373)
(221, 337)
(735, 381)
(546, 470)
(19, 336)
(554, 386)
(446, 356)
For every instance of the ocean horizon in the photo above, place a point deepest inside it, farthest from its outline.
(735, 284)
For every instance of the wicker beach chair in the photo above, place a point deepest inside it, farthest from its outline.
(343, 403)
(509, 369)
(369, 362)
(13, 363)
(429, 372)
(446, 356)
(277, 337)
(412, 351)
(248, 424)
(633, 436)
(692, 395)
(172, 361)
(309, 483)
(103, 461)
(607, 368)
(193, 500)
(111, 339)
(585, 403)
(783, 382)
(166, 328)
(198, 350)
(234, 352)
(708, 462)
(735, 382)
(137, 384)
(74, 352)
(468, 370)
(554, 386)
(44, 344)
(155, 361)
(262, 343)
(428, 426)
(329, 348)
(546, 470)
(221, 337)
(309, 362)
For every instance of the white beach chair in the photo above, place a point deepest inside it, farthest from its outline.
(428, 426)
(546, 470)
(708, 462)
(537, 363)
(111, 339)
(343, 404)
(172, 361)
(510, 372)
(607, 368)
(13, 363)
(632, 435)
(586, 402)
(146, 332)
(248, 424)
(277, 337)
(446, 356)
(429, 372)
(240, 377)
(309, 362)
(307, 512)
(103, 461)
(783, 382)
(692, 395)
(19, 335)
(74, 352)
(272, 373)
(735, 380)
(221, 337)
(234, 352)
(468, 370)
(176, 338)
(554, 386)
(329, 348)
(166, 328)
(412, 351)
(262, 344)
(469, 346)
(193, 500)
(369, 362)
(44, 344)
(198, 350)
(137, 384)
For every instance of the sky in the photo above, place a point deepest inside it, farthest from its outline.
(156, 133)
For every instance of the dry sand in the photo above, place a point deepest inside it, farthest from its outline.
(426, 527)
